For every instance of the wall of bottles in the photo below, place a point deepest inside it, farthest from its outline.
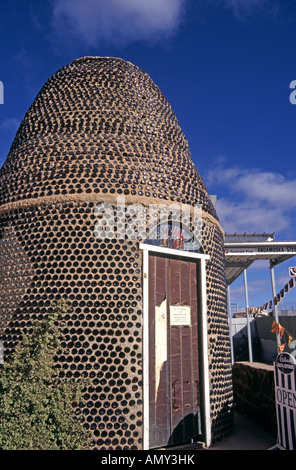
(100, 128)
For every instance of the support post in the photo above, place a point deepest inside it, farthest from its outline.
(248, 317)
(275, 310)
(230, 323)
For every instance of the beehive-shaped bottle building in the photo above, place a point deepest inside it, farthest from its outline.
(101, 134)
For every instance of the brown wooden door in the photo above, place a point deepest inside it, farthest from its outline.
(174, 399)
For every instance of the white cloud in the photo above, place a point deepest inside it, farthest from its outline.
(245, 216)
(257, 185)
(252, 200)
(118, 22)
(269, 187)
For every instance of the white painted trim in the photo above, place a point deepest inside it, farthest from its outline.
(172, 252)
(145, 350)
(205, 359)
(204, 335)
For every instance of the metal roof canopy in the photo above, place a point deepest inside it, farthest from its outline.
(241, 250)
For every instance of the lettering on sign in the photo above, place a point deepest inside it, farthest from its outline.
(286, 397)
(285, 363)
(262, 249)
(180, 315)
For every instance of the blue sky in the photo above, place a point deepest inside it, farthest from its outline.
(224, 65)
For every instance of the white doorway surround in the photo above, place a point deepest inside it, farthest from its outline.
(200, 260)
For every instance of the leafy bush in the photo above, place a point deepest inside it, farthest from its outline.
(37, 409)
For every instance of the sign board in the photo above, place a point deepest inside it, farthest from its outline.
(285, 398)
(180, 315)
(292, 271)
(269, 248)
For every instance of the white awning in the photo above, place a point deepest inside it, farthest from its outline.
(241, 250)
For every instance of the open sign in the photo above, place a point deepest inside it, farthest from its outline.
(285, 397)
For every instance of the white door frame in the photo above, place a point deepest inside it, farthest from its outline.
(201, 266)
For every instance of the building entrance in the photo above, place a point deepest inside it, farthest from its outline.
(174, 390)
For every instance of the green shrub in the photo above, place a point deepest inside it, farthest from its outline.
(37, 408)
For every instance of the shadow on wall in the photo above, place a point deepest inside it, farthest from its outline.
(175, 417)
(222, 426)
(185, 430)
